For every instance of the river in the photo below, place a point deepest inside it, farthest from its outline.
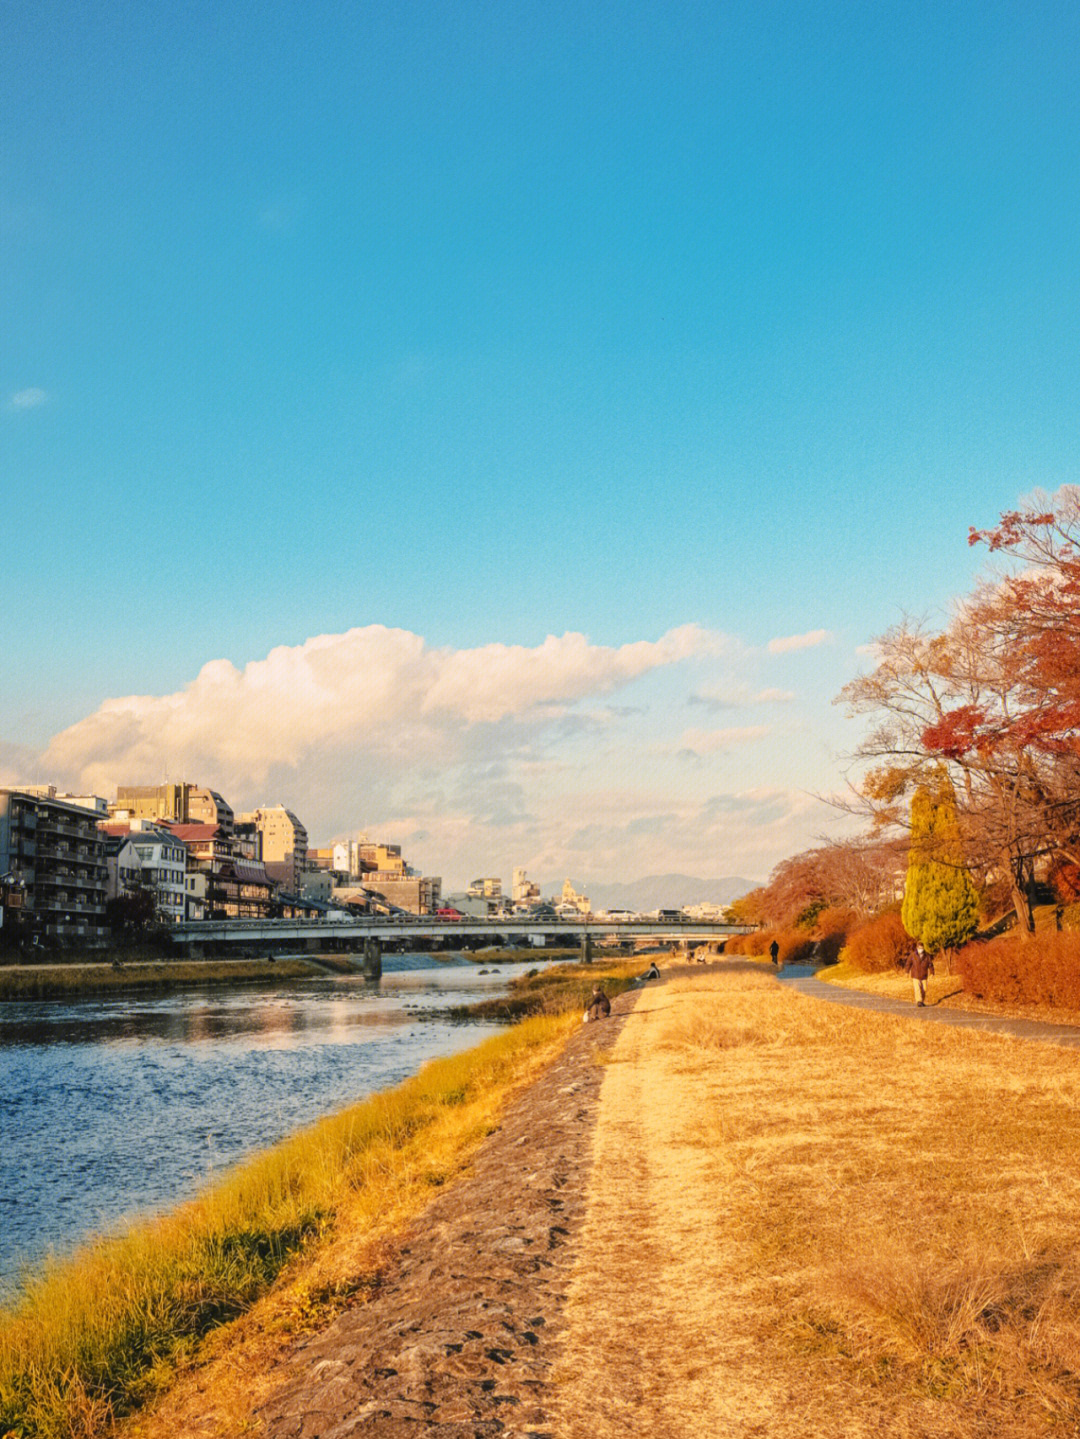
(114, 1107)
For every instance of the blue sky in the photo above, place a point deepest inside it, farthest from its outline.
(480, 324)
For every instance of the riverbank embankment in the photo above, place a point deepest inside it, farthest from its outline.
(758, 1212)
(117, 975)
(793, 1218)
(288, 1239)
(116, 971)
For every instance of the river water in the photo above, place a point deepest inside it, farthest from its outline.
(113, 1107)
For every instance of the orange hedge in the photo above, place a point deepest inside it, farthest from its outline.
(879, 944)
(1043, 970)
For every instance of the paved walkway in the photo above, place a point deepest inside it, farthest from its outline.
(802, 979)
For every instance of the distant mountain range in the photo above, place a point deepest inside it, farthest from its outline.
(662, 891)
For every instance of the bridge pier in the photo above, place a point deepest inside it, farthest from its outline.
(586, 947)
(372, 966)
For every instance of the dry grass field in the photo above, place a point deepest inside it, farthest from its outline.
(806, 1220)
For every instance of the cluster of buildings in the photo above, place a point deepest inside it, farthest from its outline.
(69, 864)
(74, 867)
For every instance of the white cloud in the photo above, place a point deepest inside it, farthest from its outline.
(715, 741)
(379, 696)
(28, 399)
(808, 641)
(738, 697)
(489, 757)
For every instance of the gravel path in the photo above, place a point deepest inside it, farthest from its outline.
(803, 982)
(462, 1335)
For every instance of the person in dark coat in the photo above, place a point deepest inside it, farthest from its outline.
(774, 951)
(920, 966)
(599, 1005)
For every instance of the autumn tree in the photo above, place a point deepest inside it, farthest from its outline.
(941, 905)
(860, 874)
(995, 698)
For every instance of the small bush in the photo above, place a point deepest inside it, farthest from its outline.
(878, 945)
(756, 942)
(831, 931)
(1042, 970)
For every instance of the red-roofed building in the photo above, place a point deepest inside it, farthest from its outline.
(235, 887)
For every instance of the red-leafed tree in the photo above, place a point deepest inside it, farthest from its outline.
(995, 697)
(861, 875)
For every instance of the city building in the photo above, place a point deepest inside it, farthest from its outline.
(123, 868)
(485, 889)
(317, 884)
(235, 887)
(418, 894)
(284, 844)
(162, 859)
(164, 868)
(524, 892)
(52, 864)
(359, 857)
(180, 803)
(572, 901)
(470, 905)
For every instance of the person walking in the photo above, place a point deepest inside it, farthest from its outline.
(920, 966)
(774, 952)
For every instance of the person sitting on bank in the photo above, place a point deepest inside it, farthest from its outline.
(652, 972)
(599, 1005)
(920, 966)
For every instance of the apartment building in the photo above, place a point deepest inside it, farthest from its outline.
(284, 844)
(180, 803)
(123, 868)
(485, 889)
(164, 867)
(52, 853)
(524, 892)
(416, 893)
(161, 860)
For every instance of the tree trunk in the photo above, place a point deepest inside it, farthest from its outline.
(1021, 898)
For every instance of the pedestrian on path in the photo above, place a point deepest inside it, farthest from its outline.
(774, 951)
(920, 966)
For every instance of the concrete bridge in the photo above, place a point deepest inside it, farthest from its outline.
(372, 934)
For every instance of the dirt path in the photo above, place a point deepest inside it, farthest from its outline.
(462, 1335)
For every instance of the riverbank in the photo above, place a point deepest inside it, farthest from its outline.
(304, 1220)
(820, 1255)
(68, 981)
(846, 1223)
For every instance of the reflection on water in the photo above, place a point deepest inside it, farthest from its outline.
(116, 1106)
